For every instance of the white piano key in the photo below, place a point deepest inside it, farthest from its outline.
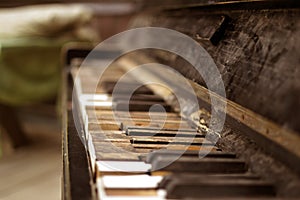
(131, 181)
(161, 194)
(98, 103)
(123, 166)
(94, 97)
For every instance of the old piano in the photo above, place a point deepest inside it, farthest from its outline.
(143, 123)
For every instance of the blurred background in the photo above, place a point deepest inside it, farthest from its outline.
(33, 35)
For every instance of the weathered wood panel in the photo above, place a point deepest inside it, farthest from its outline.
(257, 56)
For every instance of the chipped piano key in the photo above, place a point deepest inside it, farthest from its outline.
(203, 165)
(175, 147)
(104, 126)
(142, 106)
(192, 176)
(168, 153)
(163, 133)
(134, 115)
(125, 88)
(137, 97)
(208, 187)
(170, 141)
(156, 127)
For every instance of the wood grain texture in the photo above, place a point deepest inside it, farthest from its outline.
(258, 57)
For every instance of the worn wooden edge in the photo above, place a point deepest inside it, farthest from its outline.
(77, 182)
(66, 192)
(285, 137)
(278, 141)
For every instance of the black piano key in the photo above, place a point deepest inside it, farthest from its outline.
(138, 97)
(163, 133)
(169, 141)
(168, 153)
(156, 126)
(218, 187)
(125, 88)
(192, 176)
(198, 165)
(140, 106)
(174, 147)
(128, 127)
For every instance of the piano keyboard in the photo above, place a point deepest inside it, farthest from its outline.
(153, 154)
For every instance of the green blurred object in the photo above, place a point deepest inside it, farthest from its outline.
(29, 70)
(31, 38)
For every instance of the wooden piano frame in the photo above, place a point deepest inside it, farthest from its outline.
(77, 180)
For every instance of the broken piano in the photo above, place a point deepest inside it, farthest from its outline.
(125, 137)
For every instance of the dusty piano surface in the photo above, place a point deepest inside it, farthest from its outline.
(124, 158)
(120, 159)
(115, 155)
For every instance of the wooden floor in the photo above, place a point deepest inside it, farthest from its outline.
(34, 172)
